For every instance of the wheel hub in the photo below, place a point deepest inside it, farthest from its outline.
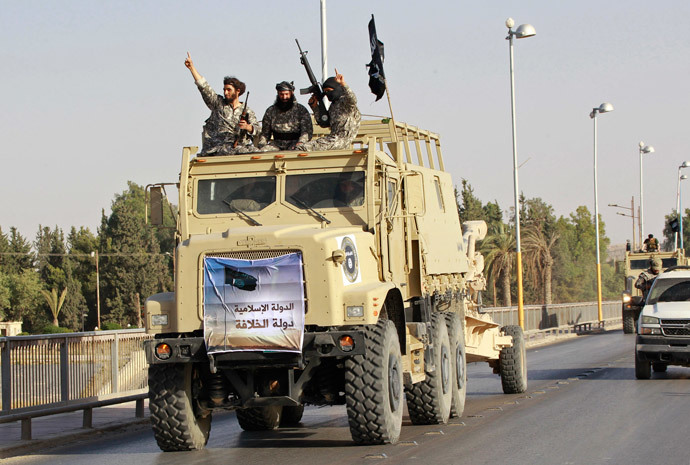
(394, 385)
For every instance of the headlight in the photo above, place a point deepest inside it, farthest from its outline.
(644, 330)
(649, 320)
(355, 311)
(159, 320)
(626, 298)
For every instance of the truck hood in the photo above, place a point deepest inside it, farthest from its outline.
(668, 310)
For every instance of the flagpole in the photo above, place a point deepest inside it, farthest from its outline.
(390, 107)
(324, 43)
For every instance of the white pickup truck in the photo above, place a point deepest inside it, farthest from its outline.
(663, 329)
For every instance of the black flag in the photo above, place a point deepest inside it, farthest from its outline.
(377, 79)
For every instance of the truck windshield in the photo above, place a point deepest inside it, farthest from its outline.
(245, 194)
(325, 190)
(669, 290)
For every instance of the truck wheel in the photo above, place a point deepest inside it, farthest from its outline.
(643, 368)
(177, 424)
(429, 401)
(291, 415)
(374, 387)
(513, 362)
(259, 418)
(456, 335)
(628, 324)
(659, 367)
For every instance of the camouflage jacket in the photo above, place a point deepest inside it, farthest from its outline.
(345, 118)
(221, 128)
(283, 129)
(644, 281)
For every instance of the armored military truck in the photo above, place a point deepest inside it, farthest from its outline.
(322, 278)
(634, 264)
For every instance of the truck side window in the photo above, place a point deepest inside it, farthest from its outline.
(439, 196)
(325, 190)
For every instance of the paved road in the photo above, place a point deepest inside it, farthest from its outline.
(583, 406)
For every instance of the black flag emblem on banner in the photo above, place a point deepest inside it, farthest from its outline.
(377, 79)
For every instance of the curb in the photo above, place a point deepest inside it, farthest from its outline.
(24, 447)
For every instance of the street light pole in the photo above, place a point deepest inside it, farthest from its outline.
(603, 108)
(523, 31)
(680, 203)
(643, 149)
(678, 213)
(98, 292)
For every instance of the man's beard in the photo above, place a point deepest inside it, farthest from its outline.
(285, 106)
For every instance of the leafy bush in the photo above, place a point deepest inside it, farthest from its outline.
(108, 326)
(52, 329)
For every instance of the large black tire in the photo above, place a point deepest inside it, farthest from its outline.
(513, 362)
(628, 323)
(456, 335)
(292, 415)
(177, 426)
(374, 391)
(259, 418)
(429, 401)
(643, 368)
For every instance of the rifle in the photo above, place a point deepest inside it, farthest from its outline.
(243, 116)
(315, 89)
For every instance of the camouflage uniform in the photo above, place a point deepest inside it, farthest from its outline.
(222, 127)
(281, 130)
(345, 118)
(644, 282)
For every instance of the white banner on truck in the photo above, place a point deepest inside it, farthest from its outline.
(254, 305)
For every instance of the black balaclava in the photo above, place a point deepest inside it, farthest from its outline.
(337, 92)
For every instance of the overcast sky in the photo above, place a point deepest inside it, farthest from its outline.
(96, 93)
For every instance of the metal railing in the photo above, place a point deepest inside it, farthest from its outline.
(56, 373)
(549, 317)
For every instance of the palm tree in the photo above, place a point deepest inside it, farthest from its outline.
(54, 302)
(538, 257)
(498, 250)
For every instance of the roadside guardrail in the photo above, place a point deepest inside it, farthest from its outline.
(55, 373)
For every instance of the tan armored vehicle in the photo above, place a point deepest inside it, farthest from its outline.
(634, 264)
(323, 278)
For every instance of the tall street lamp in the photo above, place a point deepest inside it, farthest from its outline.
(643, 149)
(680, 203)
(98, 292)
(678, 213)
(603, 108)
(523, 31)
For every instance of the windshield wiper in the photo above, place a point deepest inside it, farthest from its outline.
(307, 207)
(241, 213)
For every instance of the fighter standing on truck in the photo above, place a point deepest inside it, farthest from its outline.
(224, 126)
(286, 122)
(646, 279)
(343, 114)
(651, 244)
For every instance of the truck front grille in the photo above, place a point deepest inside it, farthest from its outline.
(679, 327)
(253, 254)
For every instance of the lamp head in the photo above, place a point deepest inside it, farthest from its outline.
(683, 176)
(605, 107)
(525, 30)
(647, 149)
(510, 23)
(685, 164)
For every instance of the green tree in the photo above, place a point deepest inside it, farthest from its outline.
(131, 261)
(539, 249)
(54, 302)
(498, 250)
(469, 206)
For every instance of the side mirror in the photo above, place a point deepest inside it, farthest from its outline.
(156, 205)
